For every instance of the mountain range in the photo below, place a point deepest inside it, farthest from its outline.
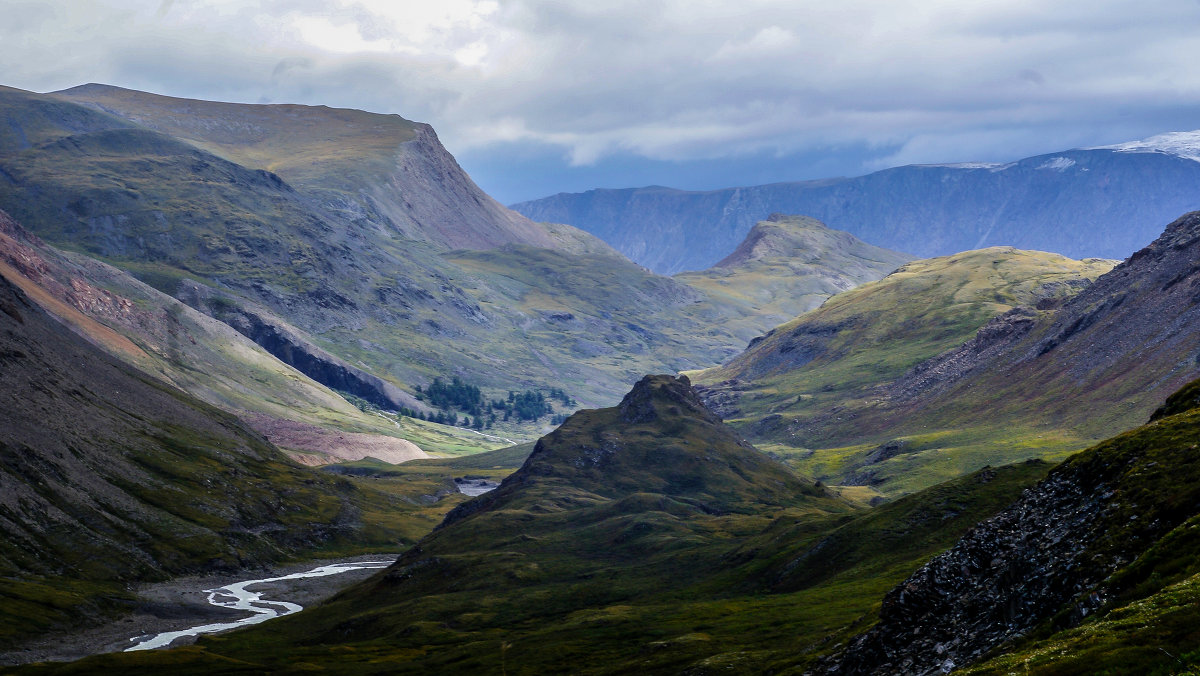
(1092, 202)
(236, 335)
(353, 247)
(1038, 368)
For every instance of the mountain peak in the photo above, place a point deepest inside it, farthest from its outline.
(778, 235)
(800, 237)
(660, 440)
(654, 394)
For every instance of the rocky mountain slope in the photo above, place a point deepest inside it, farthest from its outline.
(1100, 362)
(1111, 525)
(805, 387)
(1038, 379)
(1105, 202)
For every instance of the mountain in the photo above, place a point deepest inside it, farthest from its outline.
(1105, 543)
(185, 348)
(352, 248)
(1099, 363)
(110, 477)
(1096, 202)
(373, 169)
(647, 537)
(788, 265)
(804, 389)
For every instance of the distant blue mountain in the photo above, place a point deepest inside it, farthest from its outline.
(1103, 202)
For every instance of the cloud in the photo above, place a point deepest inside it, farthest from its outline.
(662, 79)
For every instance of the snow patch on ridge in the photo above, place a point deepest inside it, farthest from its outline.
(1185, 144)
(1059, 164)
(990, 166)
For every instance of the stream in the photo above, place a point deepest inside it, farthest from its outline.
(237, 597)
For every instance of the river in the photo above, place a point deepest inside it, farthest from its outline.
(236, 596)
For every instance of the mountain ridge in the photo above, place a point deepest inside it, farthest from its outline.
(312, 245)
(1100, 202)
(375, 167)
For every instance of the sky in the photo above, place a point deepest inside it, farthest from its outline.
(535, 98)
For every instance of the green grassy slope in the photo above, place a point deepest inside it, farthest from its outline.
(645, 538)
(800, 387)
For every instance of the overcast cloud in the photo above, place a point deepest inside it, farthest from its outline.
(644, 87)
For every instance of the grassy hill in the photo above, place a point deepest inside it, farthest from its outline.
(799, 390)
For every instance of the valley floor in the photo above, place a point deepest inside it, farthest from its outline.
(182, 603)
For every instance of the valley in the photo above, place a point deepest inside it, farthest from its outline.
(254, 345)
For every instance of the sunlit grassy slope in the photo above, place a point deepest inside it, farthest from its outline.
(799, 389)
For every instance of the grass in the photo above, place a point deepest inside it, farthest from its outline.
(571, 570)
(807, 391)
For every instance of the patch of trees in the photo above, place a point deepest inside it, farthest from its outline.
(455, 397)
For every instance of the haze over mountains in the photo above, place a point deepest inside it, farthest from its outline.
(1099, 202)
(198, 299)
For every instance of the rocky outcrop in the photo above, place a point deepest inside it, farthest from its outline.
(1008, 574)
(1048, 557)
(949, 367)
(642, 404)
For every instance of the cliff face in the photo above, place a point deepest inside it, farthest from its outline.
(427, 195)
